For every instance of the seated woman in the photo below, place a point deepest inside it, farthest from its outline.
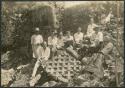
(60, 41)
(45, 51)
(68, 41)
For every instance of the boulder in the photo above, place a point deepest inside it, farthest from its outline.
(5, 57)
(7, 76)
(49, 84)
(21, 81)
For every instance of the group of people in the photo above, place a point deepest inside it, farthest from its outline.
(43, 50)
(92, 41)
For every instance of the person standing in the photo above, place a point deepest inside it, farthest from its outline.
(36, 41)
(90, 28)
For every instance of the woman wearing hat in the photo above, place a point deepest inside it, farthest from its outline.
(36, 41)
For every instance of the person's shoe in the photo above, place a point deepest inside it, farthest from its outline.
(34, 80)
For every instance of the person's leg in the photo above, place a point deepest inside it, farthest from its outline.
(33, 51)
(35, 68)
(34, 80)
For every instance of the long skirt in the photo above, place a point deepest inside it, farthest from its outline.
(37, 51)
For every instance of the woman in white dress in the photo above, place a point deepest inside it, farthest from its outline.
(36, 41)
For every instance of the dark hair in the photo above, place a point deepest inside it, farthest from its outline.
(96, 28)
(43, 43)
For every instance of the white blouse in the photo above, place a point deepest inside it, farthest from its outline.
(52, 41)
(78, 37)
(36, 39)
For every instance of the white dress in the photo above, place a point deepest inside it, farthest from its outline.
(52, 41)
(36, 41)
(60, 42)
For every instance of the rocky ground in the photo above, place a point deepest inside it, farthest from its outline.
(20, 76)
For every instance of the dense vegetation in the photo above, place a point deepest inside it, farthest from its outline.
(18, 24)
(80, 15)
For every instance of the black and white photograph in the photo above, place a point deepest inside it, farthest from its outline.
(62, 43)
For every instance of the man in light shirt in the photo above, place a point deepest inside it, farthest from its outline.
(90, 28)
(96, 40)
(36, 41)
(97, 37)
(78, 36)
(41, 61)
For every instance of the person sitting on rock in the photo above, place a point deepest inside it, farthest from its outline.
(45, 51)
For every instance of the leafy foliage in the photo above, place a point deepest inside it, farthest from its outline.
(80, 15)
(18, 23)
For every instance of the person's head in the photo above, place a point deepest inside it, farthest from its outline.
(37, 30)
(55, 32)
(107, 39)
(61, 34)
(44, 44)
(68, 33)
(79, 29)
(96, 29)
(52, 33)
(91, 20)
